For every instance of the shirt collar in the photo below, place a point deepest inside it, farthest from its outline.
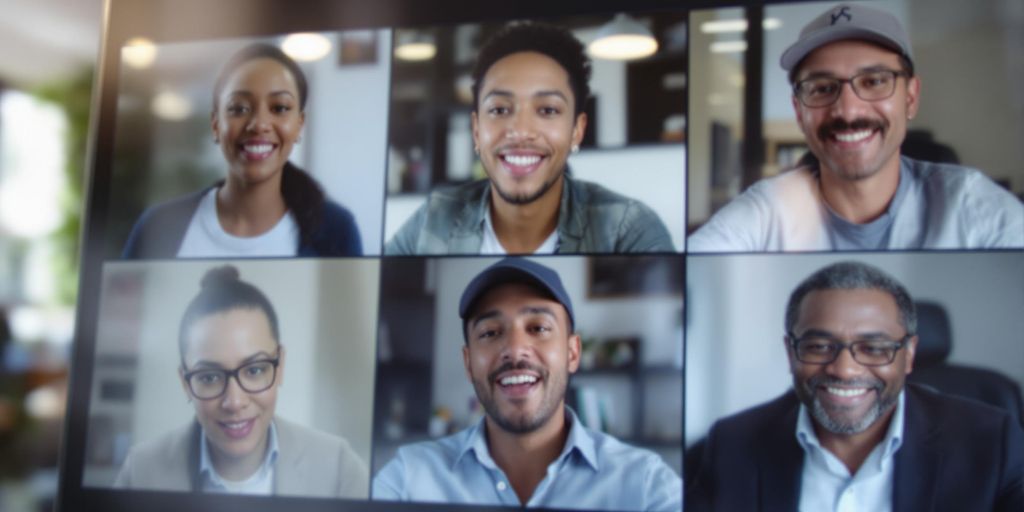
(208, 473)
(579, 441)
(893, 437)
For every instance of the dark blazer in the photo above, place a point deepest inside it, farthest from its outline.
(160, 230)
(957, 455)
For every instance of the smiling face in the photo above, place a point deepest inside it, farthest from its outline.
(524, 126)
(257, 120)
(854, 138)
(237, 423)
(518, 355)
(846, 397)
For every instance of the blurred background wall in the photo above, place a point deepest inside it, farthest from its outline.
(48, 51)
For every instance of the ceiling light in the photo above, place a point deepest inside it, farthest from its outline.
(623, 38)
(171, 106)
(728, 46)
(413, 45)
(306, 47)
(727, 26)
(139, 53)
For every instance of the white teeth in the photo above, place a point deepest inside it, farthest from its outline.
(235, 426)
(854, 137)
(847, 392)
(258, 148)
(522, 160)
(517, 379)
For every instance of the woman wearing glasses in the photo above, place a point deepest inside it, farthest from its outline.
(265, 206)
(232, 364)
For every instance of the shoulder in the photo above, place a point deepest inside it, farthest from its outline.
(315, 463)
(445, 210)
(952, 415)
(159, 230)
(758, 420)
(424, 470)
(337, 235)
(160, 463)
(958, 182)
(301, 440)
(617, 223)
(614, 452)
(437, 453)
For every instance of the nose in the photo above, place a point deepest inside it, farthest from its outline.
(259, 121)
(517, 345)
(520, 126)
(235, 398)
(848, 104)
(844, 366)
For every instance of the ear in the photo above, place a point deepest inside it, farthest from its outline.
(475, 126)
(911, 349)
(280, 366)
(579, 128)
(465, 363)
(574, 353)
(214, 121)
(184, 383)
(913, 93)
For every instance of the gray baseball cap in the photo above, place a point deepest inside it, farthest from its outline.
(848, 21)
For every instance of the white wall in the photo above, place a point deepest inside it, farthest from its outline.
(346, 134)
(734, 338)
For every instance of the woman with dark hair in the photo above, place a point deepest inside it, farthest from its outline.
(232, 364)
(265, 206)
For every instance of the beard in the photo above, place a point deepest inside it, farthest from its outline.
(521, 423)
(527, 198)
(828, 418)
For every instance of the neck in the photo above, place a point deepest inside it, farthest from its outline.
(250, 209)
(853, 449)
(522, 228)
(525, 457)
(236, 468)
(861, 200)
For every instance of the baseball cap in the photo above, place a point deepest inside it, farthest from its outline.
(846, 21)
(515, 270)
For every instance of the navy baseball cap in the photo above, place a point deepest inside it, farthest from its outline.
(515, 270)
(849, 21)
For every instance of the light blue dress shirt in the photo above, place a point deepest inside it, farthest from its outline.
(828, 486)
(594, 471)
(261, 482)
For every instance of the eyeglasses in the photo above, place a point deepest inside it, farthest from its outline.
(254, 377)
(824, 349)
(823, 91)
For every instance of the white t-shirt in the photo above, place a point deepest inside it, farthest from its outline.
(945, 207)
(205, 238)
(491, 245)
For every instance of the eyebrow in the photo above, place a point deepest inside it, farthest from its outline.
(829, 74)
(527, 310)
(243, 92)
(859, 336)
(543, 93)
(258, 356)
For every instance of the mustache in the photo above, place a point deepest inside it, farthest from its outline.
(519, 365)
(825, 380)
(825, 131)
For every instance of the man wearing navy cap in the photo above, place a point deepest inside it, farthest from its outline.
(854, 92)
(530, 449)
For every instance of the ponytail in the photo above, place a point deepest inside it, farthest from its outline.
(304, 199)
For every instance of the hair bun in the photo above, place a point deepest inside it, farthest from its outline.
(219, 276)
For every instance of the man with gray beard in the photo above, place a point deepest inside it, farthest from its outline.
(851, 435)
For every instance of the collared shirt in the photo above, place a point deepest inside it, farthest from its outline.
(491, 244)
(826, 483)
(261, 482)
(591, 219)
(594, 471)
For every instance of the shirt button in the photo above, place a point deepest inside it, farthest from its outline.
(502, 486)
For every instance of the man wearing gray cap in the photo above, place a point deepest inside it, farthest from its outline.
(529, 450)
(854, 91)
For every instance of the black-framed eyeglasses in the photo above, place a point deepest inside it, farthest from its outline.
(252, 377)
(822, 91)
(824, 349)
